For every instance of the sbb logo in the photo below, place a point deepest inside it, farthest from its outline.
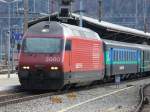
(53, 59)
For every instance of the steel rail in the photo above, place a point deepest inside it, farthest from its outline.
(141, 104)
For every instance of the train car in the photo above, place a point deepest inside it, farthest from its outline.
(145, 59)
(56, 54)
(121, 59)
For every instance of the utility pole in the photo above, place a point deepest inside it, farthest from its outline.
(1, 49)
(136, 14)
(25, 15)
(145, 18)
(52, 9)
(52, 6)
(49, 11)
(17, 6)
(9, 36)
(100, 9)
(34, 6)
(81, 13)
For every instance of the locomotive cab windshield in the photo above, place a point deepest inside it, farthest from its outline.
(42, 45)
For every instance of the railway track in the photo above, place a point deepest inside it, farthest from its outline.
(20, 96)
(144, 105)
(8, 98)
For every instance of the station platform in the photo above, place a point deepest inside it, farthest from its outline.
(9, 83)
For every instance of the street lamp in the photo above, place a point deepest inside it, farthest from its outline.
(145, 14)
(1, 44)
(1, 49)
(9, 35)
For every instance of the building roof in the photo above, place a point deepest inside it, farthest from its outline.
(114, 27)
(106, 30)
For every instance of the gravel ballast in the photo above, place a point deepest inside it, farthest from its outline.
(124, 101)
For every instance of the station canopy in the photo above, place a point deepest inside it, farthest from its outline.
(106, 30)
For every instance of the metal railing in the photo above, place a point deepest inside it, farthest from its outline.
(7, 69)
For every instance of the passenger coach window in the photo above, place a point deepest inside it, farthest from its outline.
(68, 45)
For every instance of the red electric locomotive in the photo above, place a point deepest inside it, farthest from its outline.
(56, 54)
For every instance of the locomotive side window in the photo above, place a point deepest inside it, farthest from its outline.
(68, 45)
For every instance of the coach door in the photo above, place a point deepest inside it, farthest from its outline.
(109, 61)
(140, 57)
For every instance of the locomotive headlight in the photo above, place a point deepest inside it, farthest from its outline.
(45, 30)
(26, 67)
(54, 68)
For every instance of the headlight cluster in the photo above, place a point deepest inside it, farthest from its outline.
(26, 67)
(54, 68)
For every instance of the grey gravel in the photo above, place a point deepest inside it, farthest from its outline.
(121, 102)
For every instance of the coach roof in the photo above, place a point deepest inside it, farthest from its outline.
(121, 44)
